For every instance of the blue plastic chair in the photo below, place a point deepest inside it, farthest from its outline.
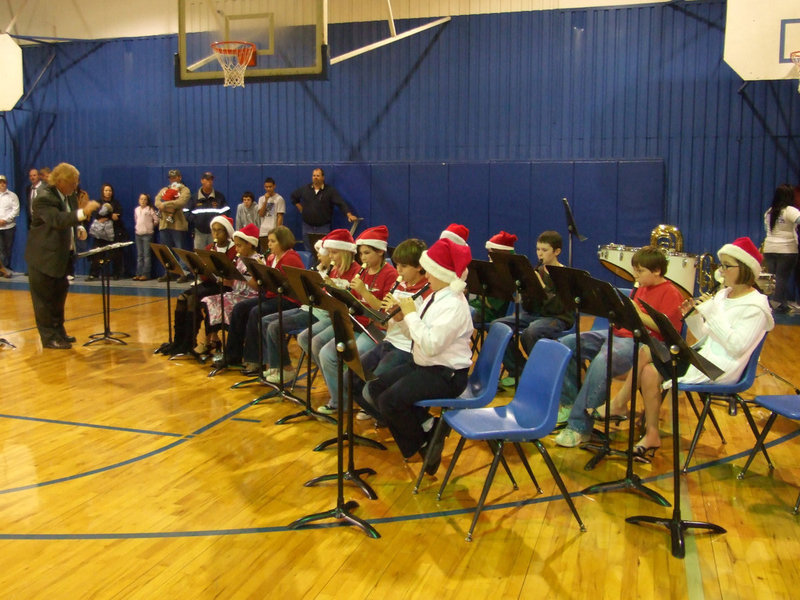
(730, 391)
(786, 406)
(530, 416)
(305, 255)
(481, 385)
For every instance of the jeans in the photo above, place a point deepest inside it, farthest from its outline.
(594, 346)
(293, 319)
(782, 266)
(143, 255)
(7, 245)
(201, 240)
(173, 238)
(327, 361)
(534, 327)
(323, 229)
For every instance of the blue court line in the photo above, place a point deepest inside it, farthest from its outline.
(378, 521)
(90, 425)
(246, 420)
(124, 462)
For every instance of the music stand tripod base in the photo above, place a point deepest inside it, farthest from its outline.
(342, 513)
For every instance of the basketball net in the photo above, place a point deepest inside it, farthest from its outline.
(796, 60)
(234, 58)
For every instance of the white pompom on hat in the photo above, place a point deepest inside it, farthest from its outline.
(226, 222)
(456, 233)
(744, 250)
(447, 261)
(502, 241)
(376, 237)
(339, 239)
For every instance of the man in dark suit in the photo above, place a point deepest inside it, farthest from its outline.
(31, 190)
(55, 226)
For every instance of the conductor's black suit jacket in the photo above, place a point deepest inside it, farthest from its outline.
(52, 227)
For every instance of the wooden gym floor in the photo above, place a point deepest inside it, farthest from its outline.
(126, 475)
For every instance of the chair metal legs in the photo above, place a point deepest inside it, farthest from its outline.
(700, 423)
(759, 445)
(497, 447)
(559, 482)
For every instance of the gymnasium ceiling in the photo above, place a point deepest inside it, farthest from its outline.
(104, 19)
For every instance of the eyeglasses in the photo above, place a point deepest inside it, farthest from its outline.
(724, 267)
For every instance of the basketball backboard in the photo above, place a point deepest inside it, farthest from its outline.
(759, 37)
(290, 38)
(11, 63)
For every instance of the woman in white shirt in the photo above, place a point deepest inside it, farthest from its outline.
(780, 245)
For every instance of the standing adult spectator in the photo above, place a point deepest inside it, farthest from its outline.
(780, 245)
(36, 183)
(271, 208)
(9, 211)
(207, 204)
(50, 250)
(119, 235)
(172, 225)
(315, 202)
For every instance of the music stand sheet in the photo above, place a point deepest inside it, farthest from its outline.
(167, 259)
(673, 338)
(485, 279)
(195, 262)
(223, 266)
(519, 268)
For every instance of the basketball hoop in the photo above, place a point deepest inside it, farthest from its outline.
(796, 60)
(234, 58)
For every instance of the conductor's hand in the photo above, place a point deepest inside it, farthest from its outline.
(407, 305)
(90, 207)
(83, 198)
(82, 233)
(351, 217)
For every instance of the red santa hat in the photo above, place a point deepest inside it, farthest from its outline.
(502, 241)
(744, 250)
(249, 233)
(226, 222)
(447, 261)
(339, 239)
(377, 237)
(456, 233)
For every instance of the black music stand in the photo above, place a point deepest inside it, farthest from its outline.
(525, 281)
(100, 258)
(572, 228)
(484, 280)
(307, 286)
(271, 280)
(679, 350)
(347, 353)
(629, 319)
(171, 266)
(574, 288)
(197, 267)
(354, 308)
(224, 269)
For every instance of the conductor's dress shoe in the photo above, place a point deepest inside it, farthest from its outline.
(70, 339)
(57, 345)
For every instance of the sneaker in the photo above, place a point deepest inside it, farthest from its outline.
(569, 438)
(69, 277)
(563, 414)
(184, 279)
(326, 409)
(362, 415)
(163, 278)
(508, 382)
